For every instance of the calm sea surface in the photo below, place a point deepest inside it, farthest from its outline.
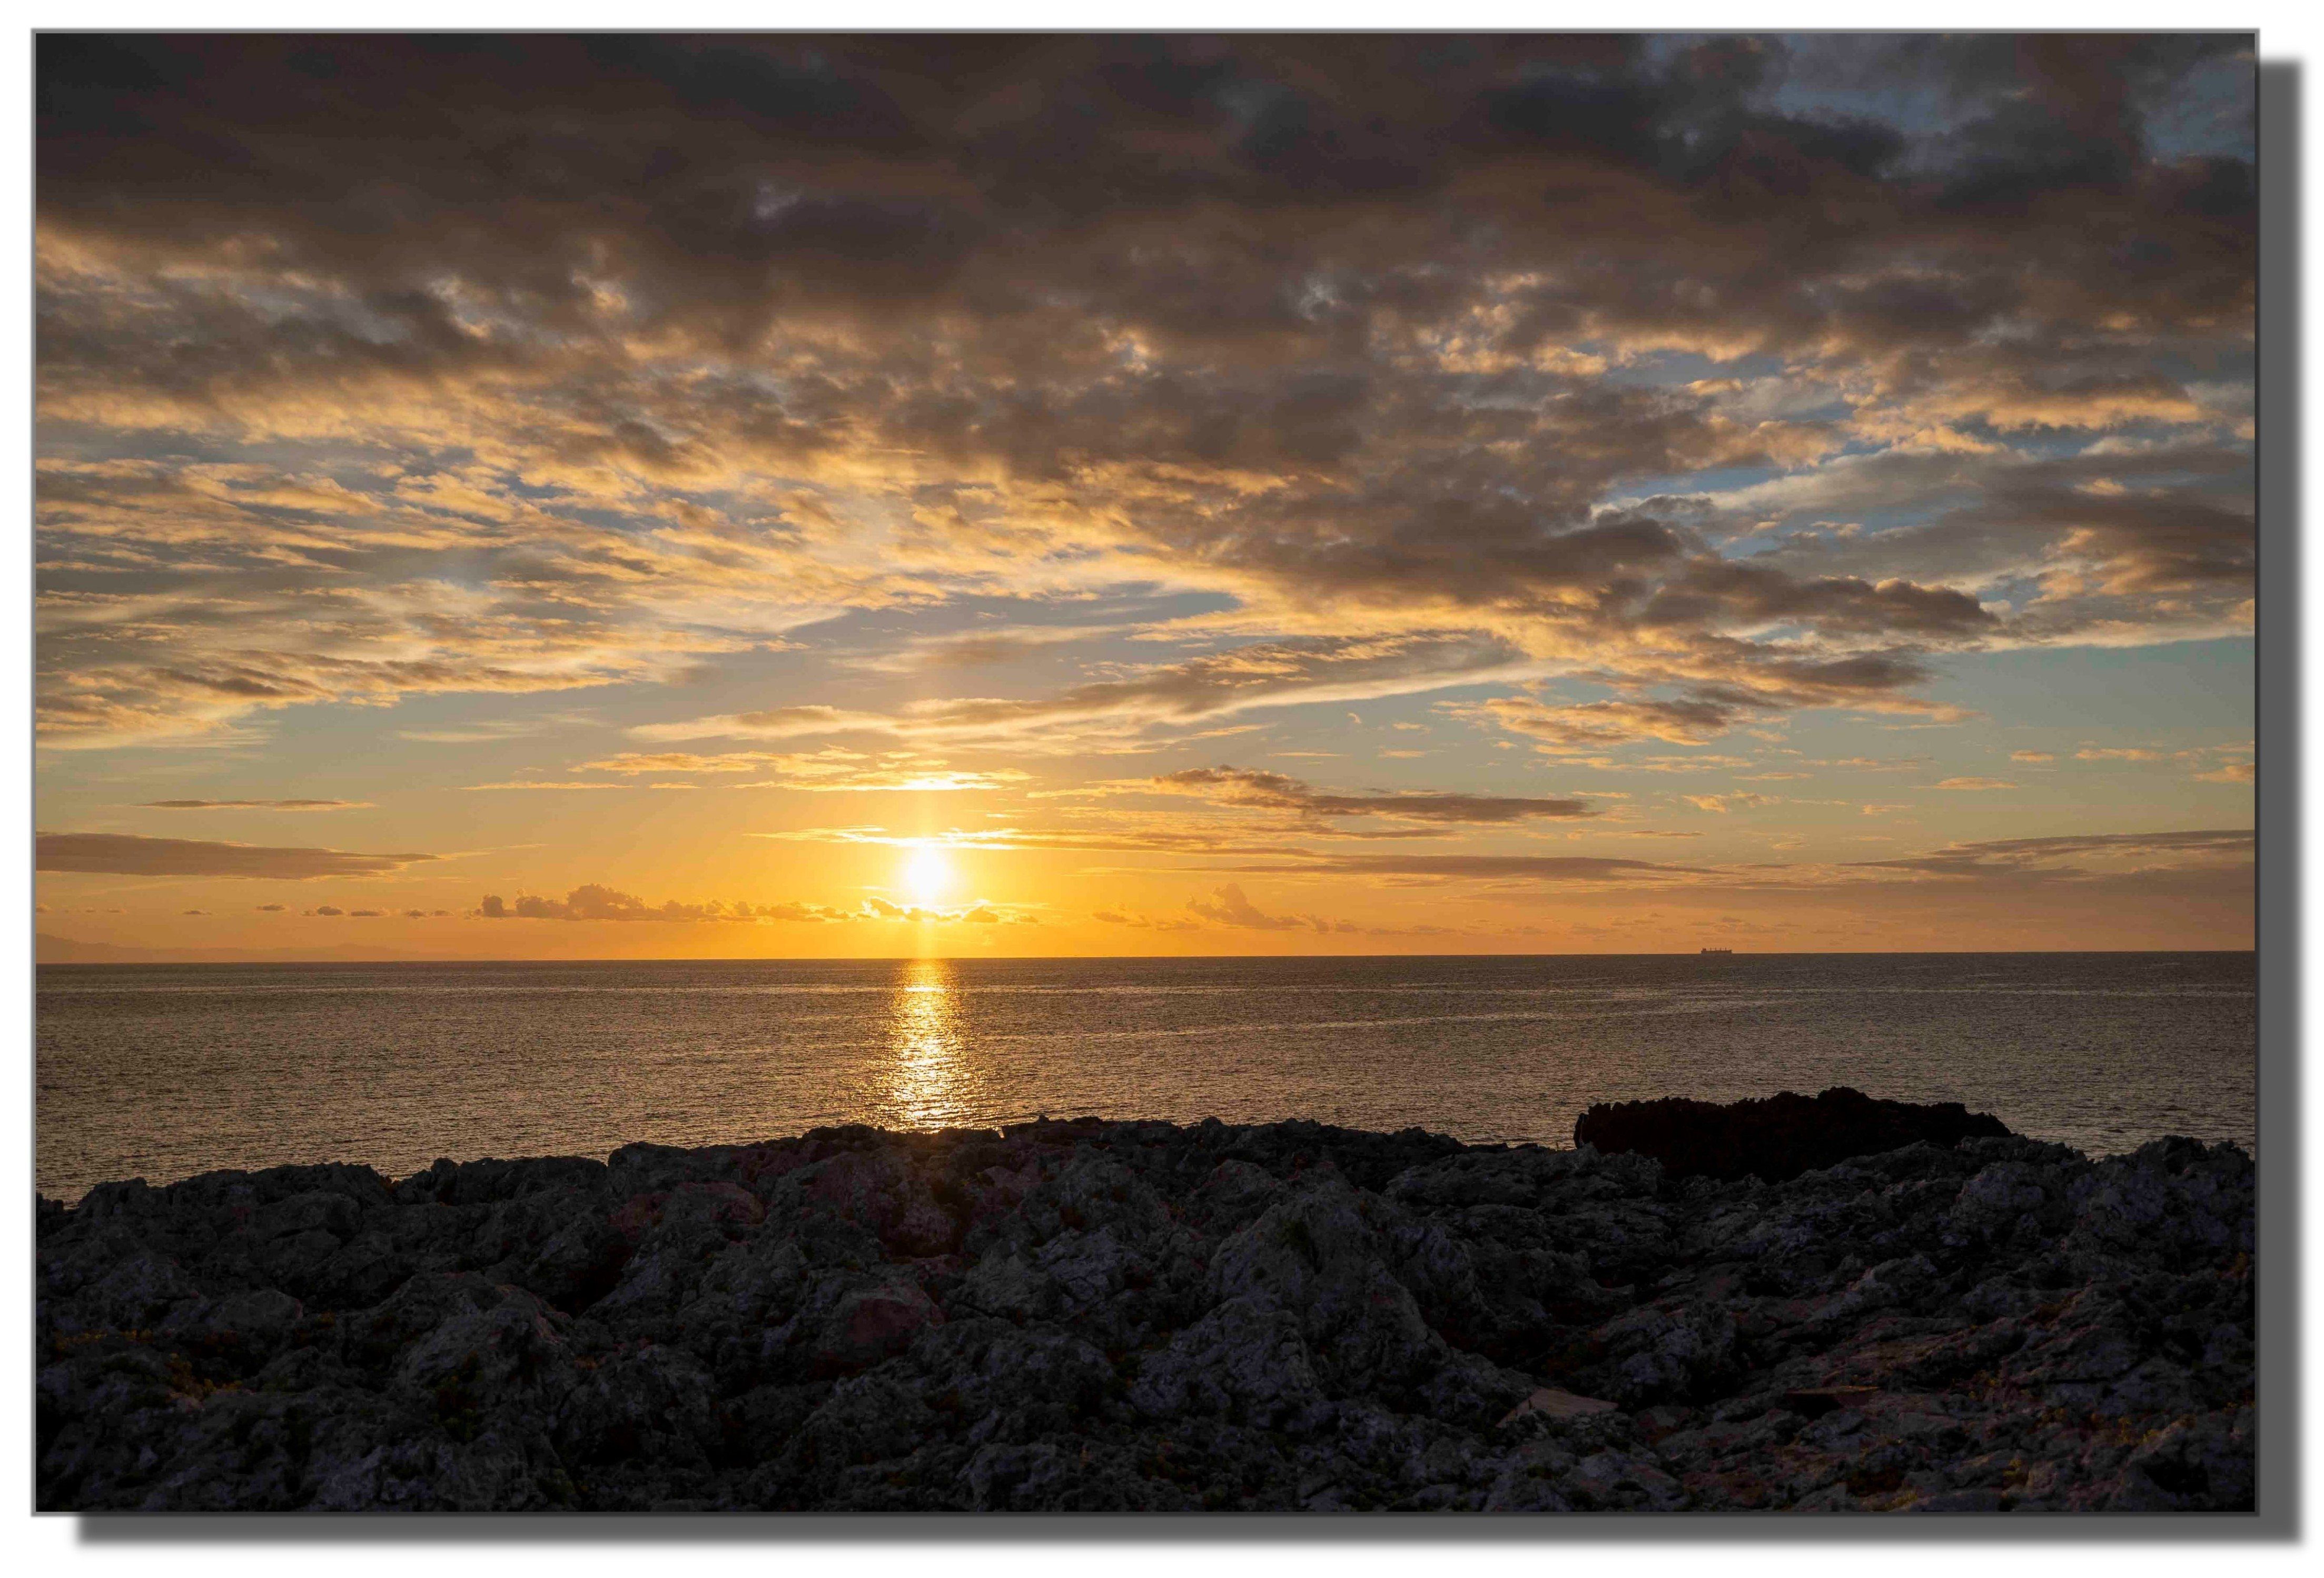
(163, 1071)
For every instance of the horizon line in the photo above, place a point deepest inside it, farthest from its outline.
(1131, 958)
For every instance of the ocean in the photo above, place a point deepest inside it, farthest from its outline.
(161, 1072)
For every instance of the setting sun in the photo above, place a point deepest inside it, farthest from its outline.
(927, 876)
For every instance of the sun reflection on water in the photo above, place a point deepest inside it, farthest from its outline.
(927, 1077)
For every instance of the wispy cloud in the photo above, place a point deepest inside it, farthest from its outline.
(132, 855)
(255, 805)
(829, 769)
(1273, 792)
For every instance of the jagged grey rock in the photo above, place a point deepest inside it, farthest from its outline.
(1101, 1316)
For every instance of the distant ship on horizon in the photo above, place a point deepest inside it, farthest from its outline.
(1717, 953)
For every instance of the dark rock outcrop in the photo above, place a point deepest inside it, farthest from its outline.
(1776, 1137)
(1138, 1315)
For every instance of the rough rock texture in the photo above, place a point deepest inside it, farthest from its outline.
(1777, 1137)
(1137, 1315)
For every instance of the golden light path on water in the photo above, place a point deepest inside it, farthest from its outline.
(929, 1081)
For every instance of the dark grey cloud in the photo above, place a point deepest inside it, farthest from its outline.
(1724, 593)
(132, 855)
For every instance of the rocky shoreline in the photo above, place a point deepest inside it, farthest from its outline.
(1137, 1315)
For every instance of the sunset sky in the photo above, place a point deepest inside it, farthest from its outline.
(872, 497)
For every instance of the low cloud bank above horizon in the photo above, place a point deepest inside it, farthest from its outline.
(595, 901)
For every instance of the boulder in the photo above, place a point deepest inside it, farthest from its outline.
(873, 1323)
(1775, 1138)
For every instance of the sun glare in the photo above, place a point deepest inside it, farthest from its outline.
(928, 875)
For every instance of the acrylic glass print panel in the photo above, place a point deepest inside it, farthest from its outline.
(1460, 774)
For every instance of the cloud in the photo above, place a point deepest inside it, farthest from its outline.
(2022, 859)
(485, 731)
(1525, 868)
(1128, 833)
(1228, 906)
(1147, 922)
(1594, 726)
(632, 762)
(1245, 786)
(2206, 863)
(1725, 593)
(2033, 756)
(1723, 804)
(1731, 686)
(255, 805)
(2118, 753)
(830, 770)
(1974, 783)
(781, 722)
(131, 854)
(1293, 671)
(593, 901)
(2232, 772)
(927, 654)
